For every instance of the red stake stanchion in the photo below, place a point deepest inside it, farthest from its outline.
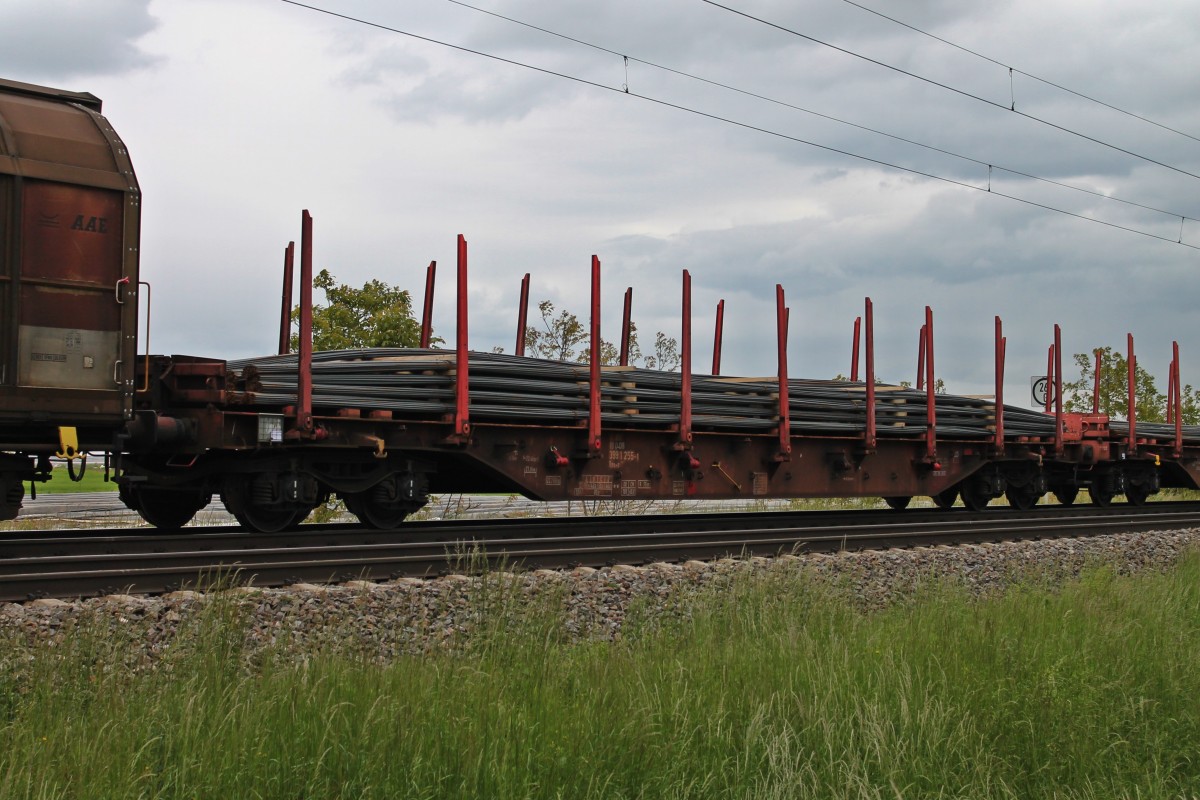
(1057, 386)
(720, 324)
(930, 399)
(1049, 377)
(785, 425)
(869, 313)
(922, 346)
(1171, 392)
(304, 420)
(1131, 396)
(462, 398)
(685, 378)
(594, 383)
(626, 326)
(427, 310)
(854, 350)
(522, 316)
(1178, 415)
(1001, 345)
(285, 315)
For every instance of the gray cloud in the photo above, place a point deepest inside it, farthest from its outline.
(398, 145)
(50, 40)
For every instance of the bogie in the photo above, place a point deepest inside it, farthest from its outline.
(270, 502)
(166, 509)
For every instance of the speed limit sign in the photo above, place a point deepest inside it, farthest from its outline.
(1042, 389)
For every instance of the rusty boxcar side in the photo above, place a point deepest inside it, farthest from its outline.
(69, 223)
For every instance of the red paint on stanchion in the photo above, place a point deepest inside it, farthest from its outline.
(930, 399)
(462, 398)
(522, 316)
(869, 313)
(785, 425)
(1178, 416)
(304, 420)
(1057, 385)
(685, 378)
(1096, 383)
(922, 346)
(1171, 392)
(1001, 345)
(1049, 377)
(427, 310)
(720, 324)
(626, 326)
(594, 383)
(1131, 396)
(854, 349)
(285, 314)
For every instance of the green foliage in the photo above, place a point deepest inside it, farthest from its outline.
(1114, 381)
(564, 338)
(666, 353)
(939, 385)
(561, 336)
(1190, 402)
(377, 315)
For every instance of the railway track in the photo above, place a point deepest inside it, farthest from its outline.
(105, 508)
(88, 563)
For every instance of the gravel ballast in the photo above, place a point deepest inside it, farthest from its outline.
(410, 616)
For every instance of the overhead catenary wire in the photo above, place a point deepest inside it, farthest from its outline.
(1029, 75)
(718, 118)
(748, 93)
(948, 87)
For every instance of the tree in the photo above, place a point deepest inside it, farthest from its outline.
(666, 353)
(377, 315)
(561, 334)
(1114, 381)
(564, 338)
(939, 385)
(1190, 402)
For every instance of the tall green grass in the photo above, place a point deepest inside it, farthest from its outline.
(773, 686)
(92, 480)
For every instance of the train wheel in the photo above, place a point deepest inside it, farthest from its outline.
(1021, 498)
(897, 503)
(1100, 496)
(269, 520)
(1066, 494)
(166, 509)
(375, 512)
(1137, 495)
(259, 516)
(974, 496)
(12, 492)
(945, 500)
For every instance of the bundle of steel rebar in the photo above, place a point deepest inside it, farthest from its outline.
(420, 383)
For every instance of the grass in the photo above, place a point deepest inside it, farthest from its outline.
(771, 686)
(92, 481)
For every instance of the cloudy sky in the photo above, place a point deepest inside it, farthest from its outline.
(240, 114)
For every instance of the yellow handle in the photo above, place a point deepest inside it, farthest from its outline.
(68, 444)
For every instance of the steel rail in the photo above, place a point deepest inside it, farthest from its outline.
(324, 555)
(30, 544)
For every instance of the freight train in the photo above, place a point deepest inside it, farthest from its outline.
(381, 429)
